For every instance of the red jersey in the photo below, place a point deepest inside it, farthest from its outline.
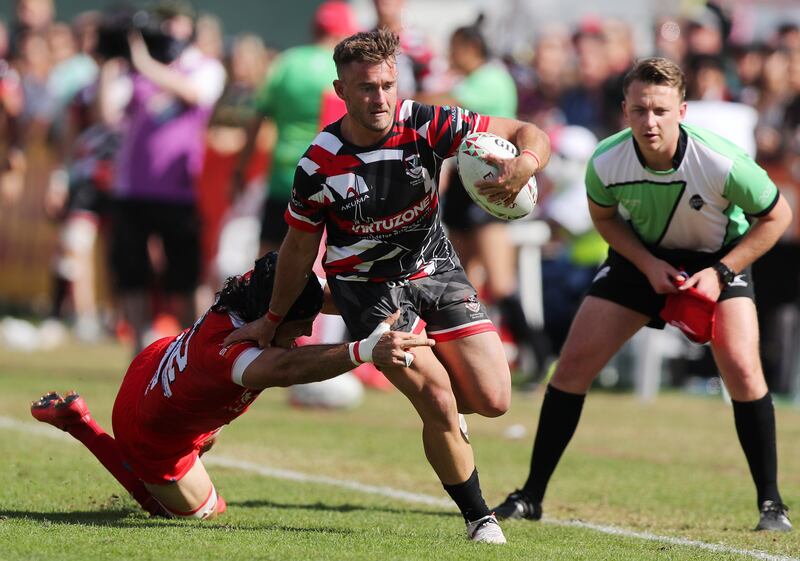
(379, 204)
(180, 390)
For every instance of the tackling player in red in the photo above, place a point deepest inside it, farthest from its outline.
(180, 391)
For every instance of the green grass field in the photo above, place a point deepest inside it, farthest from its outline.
(672, 471)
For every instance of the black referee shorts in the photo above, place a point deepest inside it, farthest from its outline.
(619, 281)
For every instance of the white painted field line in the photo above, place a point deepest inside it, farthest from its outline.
(417, 498)
(222, 461)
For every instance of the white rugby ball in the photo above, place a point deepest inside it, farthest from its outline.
(472, 168)
(342, 392)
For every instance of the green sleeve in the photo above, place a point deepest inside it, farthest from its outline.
(749, 187)
(265, 97)
(596, 189)
(488, 91)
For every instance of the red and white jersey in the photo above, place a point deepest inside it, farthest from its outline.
(179, 389)
(380, 204)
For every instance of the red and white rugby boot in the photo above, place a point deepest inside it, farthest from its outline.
(71, 414)
(61, 412)
(222, 506)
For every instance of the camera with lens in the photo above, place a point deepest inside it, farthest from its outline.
(116, 25)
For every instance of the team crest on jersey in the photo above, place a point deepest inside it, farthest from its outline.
(473, 305)
(696, 202)
(413, 167)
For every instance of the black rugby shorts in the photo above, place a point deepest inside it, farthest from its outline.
(619, 281)
(446, 302)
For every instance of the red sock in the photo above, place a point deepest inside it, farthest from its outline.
(105, 449)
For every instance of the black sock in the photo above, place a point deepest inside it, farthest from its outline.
(524, 334)
(755, 425)
(468, 497)
(557, 422)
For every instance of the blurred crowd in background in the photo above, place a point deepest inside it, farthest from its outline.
(146, 153)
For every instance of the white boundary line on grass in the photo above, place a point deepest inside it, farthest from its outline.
(418, 498)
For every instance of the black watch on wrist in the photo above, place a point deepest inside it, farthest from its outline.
(725, 273)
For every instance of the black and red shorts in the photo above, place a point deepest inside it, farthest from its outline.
(445, 304)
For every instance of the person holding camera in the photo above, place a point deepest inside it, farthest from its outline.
(173, 88)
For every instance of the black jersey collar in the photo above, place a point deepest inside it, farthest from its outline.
(683, 139)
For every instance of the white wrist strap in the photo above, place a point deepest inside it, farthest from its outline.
(361, 351)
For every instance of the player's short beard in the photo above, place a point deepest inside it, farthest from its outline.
(374, 127)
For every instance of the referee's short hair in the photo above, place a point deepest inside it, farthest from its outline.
(367, 46)
(659, 71)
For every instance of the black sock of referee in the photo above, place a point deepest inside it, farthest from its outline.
(557, 422)
(755, 425)
(469, 498)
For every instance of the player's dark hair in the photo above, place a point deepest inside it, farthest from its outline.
(248, 295)
(472, 35)
(658, 71)
(367, 46)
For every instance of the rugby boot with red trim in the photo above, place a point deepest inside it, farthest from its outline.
(222, 506)
(61, 412)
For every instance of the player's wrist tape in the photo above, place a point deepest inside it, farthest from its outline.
(534, 155)
(273, 317)
(361, 351)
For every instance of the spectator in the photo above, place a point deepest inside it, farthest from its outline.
(706, 31)
(227, 134)
(34, 63)
(585, 103)
(774, 97)
(787, 37)
(539, 102)
(749, 60)
(706, 78)
(209, 36)
(481, 240)
(12, 159)
(621, 54)
(79, 195)
(158, 162)
(298, 96)
(572, 256)
(414, 60)
(73, 69)
(31, 16)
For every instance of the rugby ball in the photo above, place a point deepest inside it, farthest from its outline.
(342, 392)
(472, 168)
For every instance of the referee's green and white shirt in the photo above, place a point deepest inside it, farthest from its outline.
(701, 204)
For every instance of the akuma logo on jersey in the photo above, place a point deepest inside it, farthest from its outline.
(347, 185)
(394, 222)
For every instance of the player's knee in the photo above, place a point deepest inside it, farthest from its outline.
(572, 373)
(438, 406)
(494, 403)
(212, 507)
(745, 382)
